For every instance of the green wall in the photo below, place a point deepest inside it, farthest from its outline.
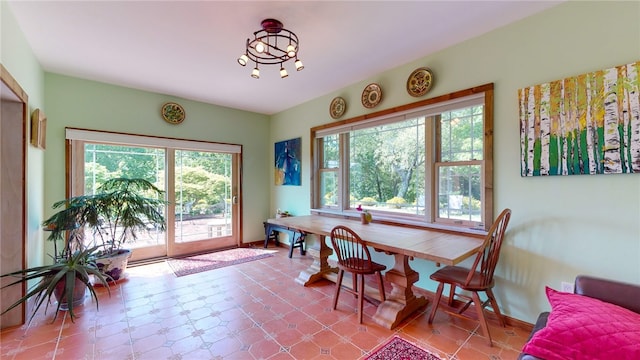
(73, 102)
(561, 226)
(19, 60)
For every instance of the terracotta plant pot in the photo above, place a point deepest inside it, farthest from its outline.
(79, 291)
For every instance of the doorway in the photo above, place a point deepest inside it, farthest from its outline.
(13, 230)
(201, 182)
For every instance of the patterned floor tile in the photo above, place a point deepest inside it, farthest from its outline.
(249, 311)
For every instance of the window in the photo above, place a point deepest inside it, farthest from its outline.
(200, 179)
(428, 162)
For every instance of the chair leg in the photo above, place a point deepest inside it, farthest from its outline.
(383, 297)
(436, 302)
(338, 286)
(361, 299)
(452, 294)
(354, 276)
(483, 320)
(494, 306)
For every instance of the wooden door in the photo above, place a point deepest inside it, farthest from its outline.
(13, 233)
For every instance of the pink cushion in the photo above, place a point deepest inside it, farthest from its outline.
(580, 327)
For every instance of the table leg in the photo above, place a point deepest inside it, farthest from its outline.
(401, 302)
(320, 268)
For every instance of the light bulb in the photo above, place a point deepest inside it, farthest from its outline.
(242, 60)
(299, 65)
(291, 51)
(260, 47)
(255, 73)
(283, 72)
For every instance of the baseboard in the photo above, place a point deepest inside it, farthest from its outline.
(259, 243)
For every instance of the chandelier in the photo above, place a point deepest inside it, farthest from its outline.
(272, 45)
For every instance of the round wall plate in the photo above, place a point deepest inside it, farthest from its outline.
(337, 108)
(371, 96)
(419, 82)
(173, 113)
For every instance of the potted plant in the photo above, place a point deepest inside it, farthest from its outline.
(120, 208)
(66, 279)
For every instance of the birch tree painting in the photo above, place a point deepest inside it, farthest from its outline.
(588, 124)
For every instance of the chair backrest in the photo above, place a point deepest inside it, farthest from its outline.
(488, 254)
(351, 251)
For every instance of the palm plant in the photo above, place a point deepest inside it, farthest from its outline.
(66, 279)
(115, 213)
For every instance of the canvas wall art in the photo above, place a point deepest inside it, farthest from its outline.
(287, 164)
(587, 124)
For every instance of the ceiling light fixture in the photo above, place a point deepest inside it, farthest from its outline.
(273, 45)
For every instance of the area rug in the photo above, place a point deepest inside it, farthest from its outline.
(400, 349)
(199, 263)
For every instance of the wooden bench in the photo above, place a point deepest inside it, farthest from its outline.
(297, 237)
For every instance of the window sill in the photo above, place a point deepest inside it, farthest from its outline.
(355, 215)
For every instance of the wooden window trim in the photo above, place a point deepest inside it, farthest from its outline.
(431, 153)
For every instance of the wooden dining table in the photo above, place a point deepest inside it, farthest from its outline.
(402, 242)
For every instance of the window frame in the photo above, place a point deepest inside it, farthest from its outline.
(430, 108)
(76, 139)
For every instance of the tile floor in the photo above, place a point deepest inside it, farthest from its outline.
(249, 311)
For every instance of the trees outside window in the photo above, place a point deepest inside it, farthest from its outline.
(429, 161)
(200, 179)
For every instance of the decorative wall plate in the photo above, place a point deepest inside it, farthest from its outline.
(371, 96)
(173, 113)
(338, 107)
(419, 82)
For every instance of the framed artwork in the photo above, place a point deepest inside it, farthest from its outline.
(38, 129)
(586, 124)
(287, 163)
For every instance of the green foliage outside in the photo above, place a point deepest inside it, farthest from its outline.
(330, 199)
(396, 202)
(368, 201)
(475, 203)
(387, 163)
(204, 191)
(202, 178)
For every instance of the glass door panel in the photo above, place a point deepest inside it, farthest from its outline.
(201, 188)
(104, 161)
(203, 201)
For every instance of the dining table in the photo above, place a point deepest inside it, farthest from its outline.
(402, 242)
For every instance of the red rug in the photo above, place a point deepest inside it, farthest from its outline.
(199, 263)
(400, 349)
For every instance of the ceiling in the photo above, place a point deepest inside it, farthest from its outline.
(189, 49)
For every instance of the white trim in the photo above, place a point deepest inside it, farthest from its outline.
(141, 140)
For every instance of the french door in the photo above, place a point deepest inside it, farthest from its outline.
(201, 182)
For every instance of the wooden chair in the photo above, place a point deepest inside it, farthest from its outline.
(479, 278)
(354, 257)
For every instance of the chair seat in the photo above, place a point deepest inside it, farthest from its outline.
(458, 276)
(352, 267)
